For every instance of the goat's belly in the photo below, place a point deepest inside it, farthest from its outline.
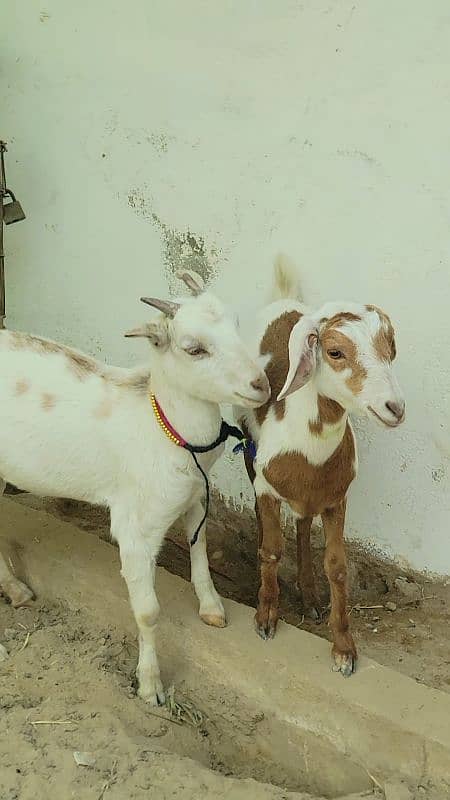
(54, 459)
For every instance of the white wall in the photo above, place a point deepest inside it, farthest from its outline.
(318, 128)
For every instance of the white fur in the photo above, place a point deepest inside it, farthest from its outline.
(98, 440)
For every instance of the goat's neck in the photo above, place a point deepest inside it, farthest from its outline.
(197, 421)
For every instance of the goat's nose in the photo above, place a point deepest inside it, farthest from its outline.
(397, 409)
(261, 384)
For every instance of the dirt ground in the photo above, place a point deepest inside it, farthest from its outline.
(67, 688)
(139, 752)
(412, 639)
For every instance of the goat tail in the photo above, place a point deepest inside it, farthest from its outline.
(286, 284)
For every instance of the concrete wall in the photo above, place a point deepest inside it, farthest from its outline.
(150, 134)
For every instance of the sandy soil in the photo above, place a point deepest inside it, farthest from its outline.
(138, 752)
(413, 639)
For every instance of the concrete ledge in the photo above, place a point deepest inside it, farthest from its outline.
(377, 722)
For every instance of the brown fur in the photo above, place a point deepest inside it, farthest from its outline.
(104, 408)
(269, 553)
(48, 401)
(310, 489)
(328, 413)
(22, 386)
(23, 341)
(275, 343)
(136, 379)
(340, 319)
(305, 573)
(384, 339)
(81, 366)
(333, 339)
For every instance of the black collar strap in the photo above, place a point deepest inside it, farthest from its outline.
(226, 430)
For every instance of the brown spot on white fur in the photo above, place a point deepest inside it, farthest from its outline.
(275, 343)
(82, 366)
(22, 386)
(309, 489)
(384, 339)
(333, 339)
(23, 341)
(340, 319)
(47, 401)
(328, 413)
(137, 379)
(104, 408)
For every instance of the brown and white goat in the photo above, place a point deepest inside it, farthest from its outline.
(321, 365)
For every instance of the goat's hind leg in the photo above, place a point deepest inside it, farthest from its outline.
(305, 573)
(19, 593)
(211, 609)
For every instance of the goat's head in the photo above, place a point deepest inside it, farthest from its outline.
(200, 350)
(349, 349)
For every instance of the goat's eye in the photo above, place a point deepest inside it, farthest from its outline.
(335, 354)
(197, 350)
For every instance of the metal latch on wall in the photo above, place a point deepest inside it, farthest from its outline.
(10, 211)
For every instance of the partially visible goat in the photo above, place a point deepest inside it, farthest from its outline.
(73, 427)
(321, 365)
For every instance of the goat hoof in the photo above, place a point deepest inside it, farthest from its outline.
(153, 694)
(265, 630)
(215, 620)
(314, 613)
(345, 663)
(20, 594)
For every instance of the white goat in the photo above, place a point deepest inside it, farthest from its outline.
(73, 427)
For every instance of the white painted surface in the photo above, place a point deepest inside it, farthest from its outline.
(320, 129)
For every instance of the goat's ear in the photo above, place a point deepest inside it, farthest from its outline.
(302, 356)
(155, 332)
(192, 279)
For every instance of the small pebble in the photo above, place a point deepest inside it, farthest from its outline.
(408, 589)
(84, 759)
(3, 653)
(391, 606)
(397, 791)
(10, 633)
(217, 555)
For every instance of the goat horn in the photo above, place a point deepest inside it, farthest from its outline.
(193, 280)
(166, 306)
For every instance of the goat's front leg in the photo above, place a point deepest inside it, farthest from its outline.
(138, 553)
(211, 609)
(18, 592)
(305, 574)
(344, 650)
(270, 550)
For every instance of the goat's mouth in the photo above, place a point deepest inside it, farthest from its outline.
(253, 401)
(388, 423)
